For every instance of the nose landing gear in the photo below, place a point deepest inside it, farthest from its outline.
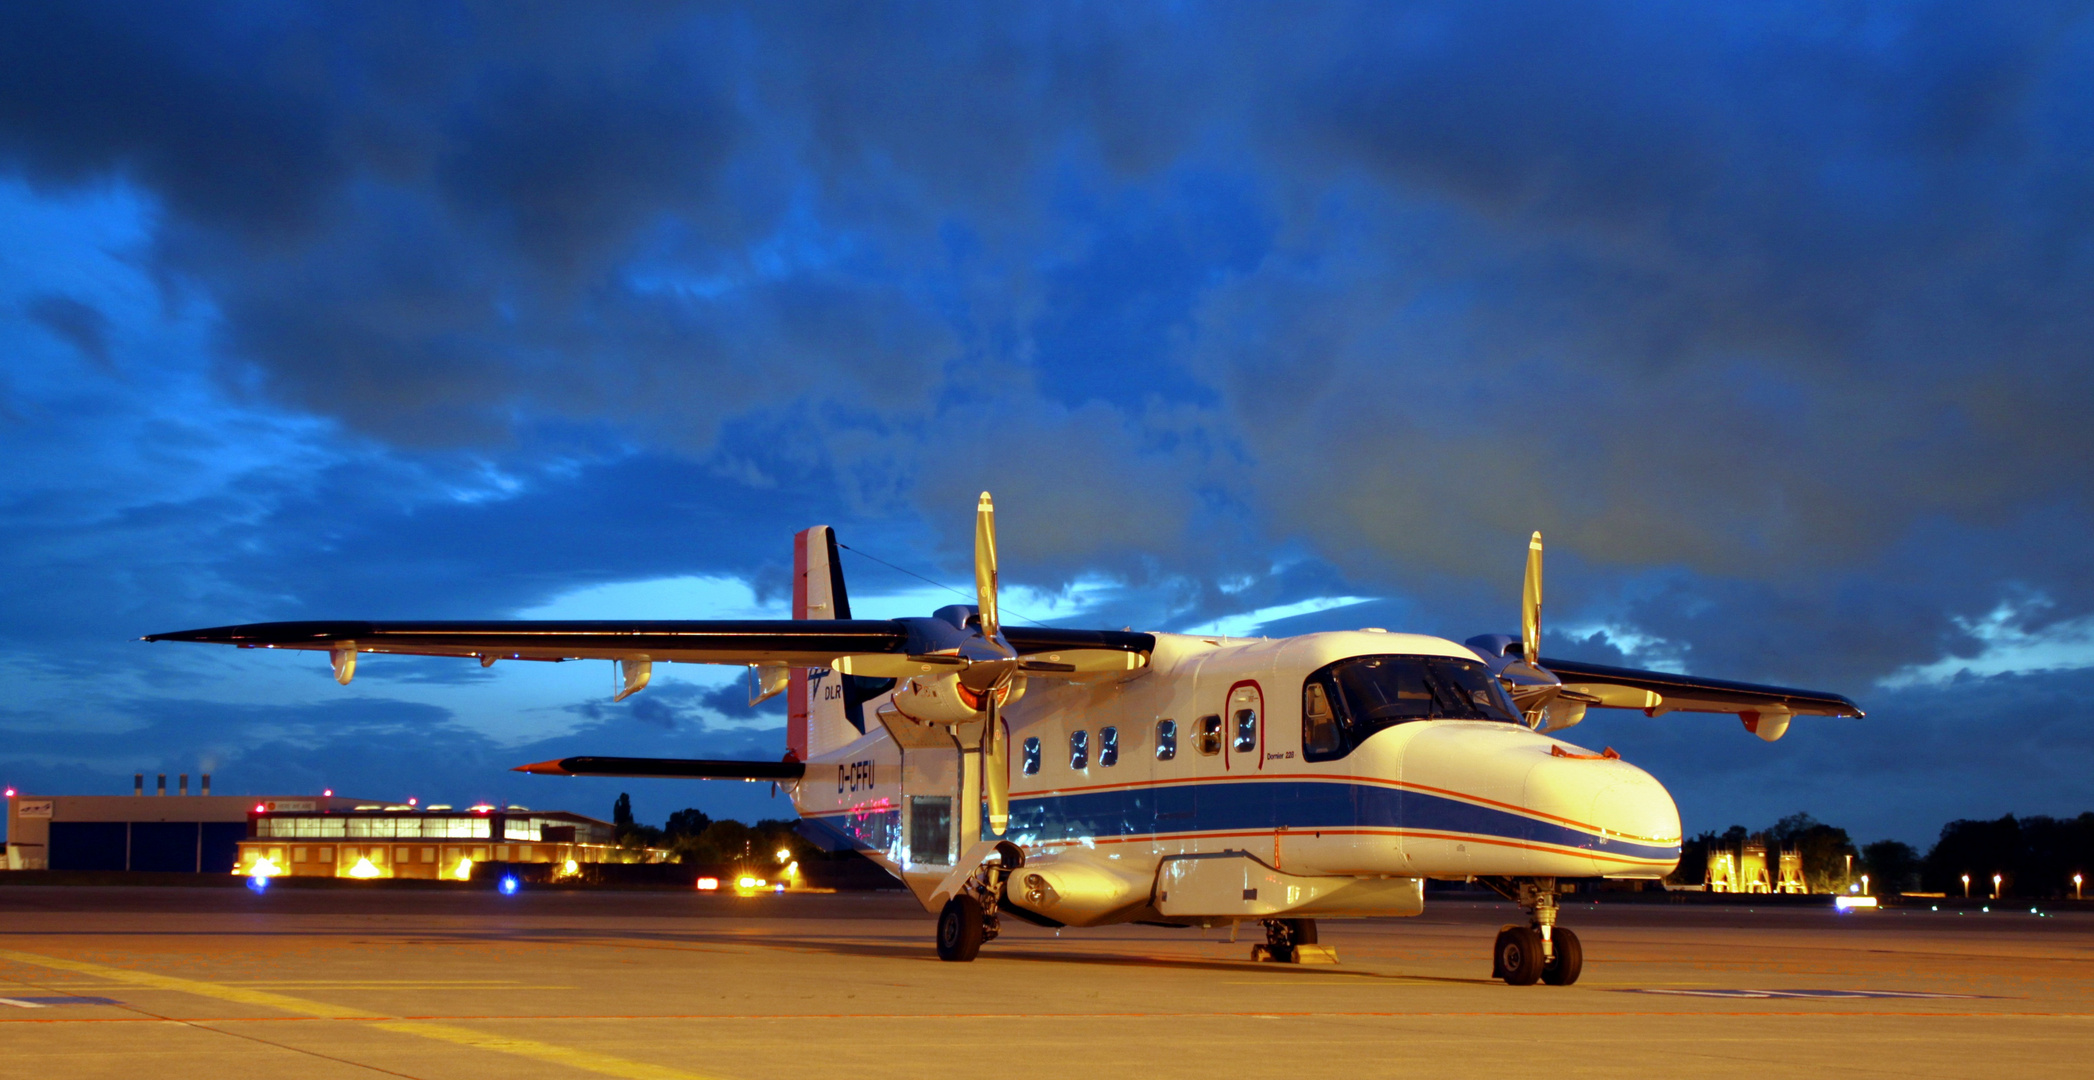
(1541, 951)
(972, 916)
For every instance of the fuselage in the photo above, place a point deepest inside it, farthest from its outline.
(1206, 754)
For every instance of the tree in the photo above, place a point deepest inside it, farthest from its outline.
(689, 821)
(1825, 850)
(1978, 848)
(1892, 866)
(622, 810)
(2035, 856)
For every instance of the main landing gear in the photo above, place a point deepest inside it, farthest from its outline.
(970, 917)
(1282, 939)
(1541, 951)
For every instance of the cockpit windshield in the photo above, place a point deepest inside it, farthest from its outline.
(1345, 702)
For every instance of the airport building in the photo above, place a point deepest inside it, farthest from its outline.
(179, 833)
(296, 835)
(376, 841)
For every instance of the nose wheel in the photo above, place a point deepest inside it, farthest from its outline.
(1541, 951)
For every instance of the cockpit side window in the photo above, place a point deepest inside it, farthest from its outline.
(1320, 738)
(1345, 702)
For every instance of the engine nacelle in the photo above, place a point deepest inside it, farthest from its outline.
(940, 699)
(1559, 714)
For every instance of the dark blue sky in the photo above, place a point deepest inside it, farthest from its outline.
(1774, 318)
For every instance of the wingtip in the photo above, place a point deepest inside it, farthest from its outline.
(543, 768)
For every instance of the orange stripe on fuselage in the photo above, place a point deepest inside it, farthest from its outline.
(1402, 785)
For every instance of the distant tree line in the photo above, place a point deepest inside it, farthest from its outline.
(2034, 856)
(692, 836)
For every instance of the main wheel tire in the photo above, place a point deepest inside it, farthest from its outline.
(1563, 968)
(1517, 956)
(1304, 931)
(960, 929)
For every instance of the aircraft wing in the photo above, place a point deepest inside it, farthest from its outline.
(673, 768)
(1657, 692)
(786, 642)
(772, 642)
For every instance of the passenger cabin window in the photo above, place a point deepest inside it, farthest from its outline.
(1345, 702)
(1166, 739)
(1031, 757)
(1209, 739)
(1079, 749)
(1108, 747)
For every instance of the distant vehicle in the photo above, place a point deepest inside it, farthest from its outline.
(1176, 779)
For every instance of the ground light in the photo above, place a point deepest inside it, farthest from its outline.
(1854, 903)
(708, 884)
(259, 883)
(509, 885)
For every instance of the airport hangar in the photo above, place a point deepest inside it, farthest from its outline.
(294, 835)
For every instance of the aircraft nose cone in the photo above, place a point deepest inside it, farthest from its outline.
(1637, 807)
(1616, 811)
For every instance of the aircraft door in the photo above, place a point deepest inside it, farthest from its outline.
(1244, 727)
(936, 795)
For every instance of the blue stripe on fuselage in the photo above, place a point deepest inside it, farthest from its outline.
(1299, 805)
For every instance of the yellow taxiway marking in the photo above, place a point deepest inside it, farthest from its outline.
(586, 1060)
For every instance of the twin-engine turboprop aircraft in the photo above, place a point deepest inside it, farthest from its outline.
(1087, 777)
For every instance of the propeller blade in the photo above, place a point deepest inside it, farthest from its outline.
(985, 565)
(1530, 605)
(996, 780)
(1080, 663)
(895, 666)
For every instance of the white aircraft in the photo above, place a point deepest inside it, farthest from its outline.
(1157, 778)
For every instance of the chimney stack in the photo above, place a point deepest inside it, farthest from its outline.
(206, 785)
(163, 784)
(138, 786)
(185, 785)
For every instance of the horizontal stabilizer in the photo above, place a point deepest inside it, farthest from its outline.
(668, 768)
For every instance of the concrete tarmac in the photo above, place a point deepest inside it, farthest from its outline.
(219, 983)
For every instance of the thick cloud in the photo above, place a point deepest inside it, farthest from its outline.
(1772, 318)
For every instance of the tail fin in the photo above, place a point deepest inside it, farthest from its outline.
(825, 710)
